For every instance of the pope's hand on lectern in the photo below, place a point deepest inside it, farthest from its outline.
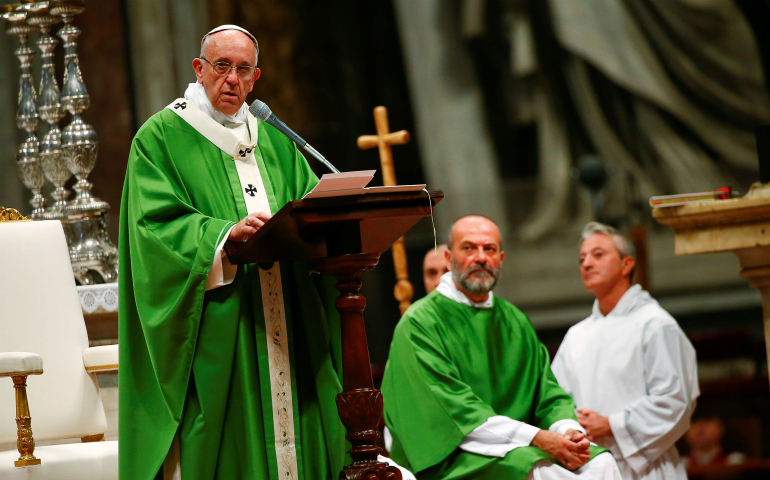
(247, 227)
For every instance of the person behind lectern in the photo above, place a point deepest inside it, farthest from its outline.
(433, 267)
(468, 390)
(227, 372)
(629, 367)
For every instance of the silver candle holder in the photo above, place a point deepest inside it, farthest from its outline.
(27, 118)
(50, 110)
(94, 258)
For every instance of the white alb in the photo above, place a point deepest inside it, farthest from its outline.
(636, 367)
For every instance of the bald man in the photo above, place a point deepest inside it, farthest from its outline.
(219, 378)
(468, 390)
(433, 267)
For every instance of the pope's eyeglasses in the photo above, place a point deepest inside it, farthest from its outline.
(222, 69)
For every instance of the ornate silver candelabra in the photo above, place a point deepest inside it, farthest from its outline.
(50, 110)
(27, 159)
(94, 258)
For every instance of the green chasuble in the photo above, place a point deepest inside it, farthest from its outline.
(451, 367)
(195, 362)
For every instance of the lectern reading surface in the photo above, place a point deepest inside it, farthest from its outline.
(344, 237)
(334, 226)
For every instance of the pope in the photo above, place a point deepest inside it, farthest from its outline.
(226, 371)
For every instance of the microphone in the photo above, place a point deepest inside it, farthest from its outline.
(260, 110)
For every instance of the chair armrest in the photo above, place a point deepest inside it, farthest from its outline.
(102, 359)
(13, 364)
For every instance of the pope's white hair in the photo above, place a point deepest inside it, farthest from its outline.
(205, 45)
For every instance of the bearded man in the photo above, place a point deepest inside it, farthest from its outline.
(468, 388)
(227, 371)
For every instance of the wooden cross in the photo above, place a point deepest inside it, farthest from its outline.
(403, 291)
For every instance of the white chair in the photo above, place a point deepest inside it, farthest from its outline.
(42, 328)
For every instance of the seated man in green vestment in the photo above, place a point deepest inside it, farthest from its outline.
(468, 388)
(227, 372)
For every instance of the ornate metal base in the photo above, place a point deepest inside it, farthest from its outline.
(99, 437)
(27, 462)
(95, 274)
(25, 442)
(94, 257)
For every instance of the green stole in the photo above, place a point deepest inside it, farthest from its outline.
(197, 362)
(273, 305)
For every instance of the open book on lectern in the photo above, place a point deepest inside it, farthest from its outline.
(353, 183)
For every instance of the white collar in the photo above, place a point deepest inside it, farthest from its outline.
(632, 299)
(229, 140)
(447, 288)
(197, 95)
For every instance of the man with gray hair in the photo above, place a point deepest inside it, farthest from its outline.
(629, 366)
(468, 392)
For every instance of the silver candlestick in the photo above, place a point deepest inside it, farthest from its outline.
(27, 159)
(79, 140)
(94, 258)
(50, 110)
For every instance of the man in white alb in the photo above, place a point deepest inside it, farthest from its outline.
(629, 367)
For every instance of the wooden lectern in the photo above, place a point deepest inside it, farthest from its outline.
(344, 237)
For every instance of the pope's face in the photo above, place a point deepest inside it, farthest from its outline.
(227, 93)
(601, 267)
(476, 255)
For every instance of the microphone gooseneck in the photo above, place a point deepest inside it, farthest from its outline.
(260, 110)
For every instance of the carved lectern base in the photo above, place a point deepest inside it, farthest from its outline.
(370, 471)
(360, 405)
(360, 411)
